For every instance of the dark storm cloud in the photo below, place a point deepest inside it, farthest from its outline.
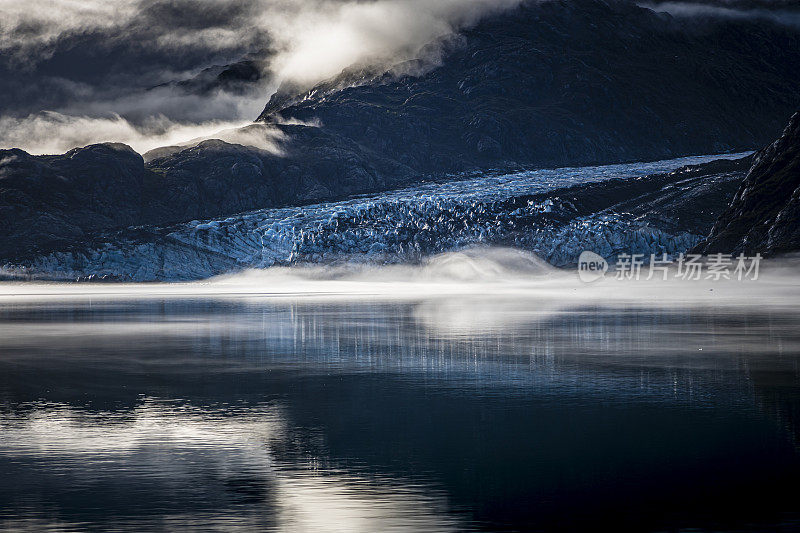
(97, 51)
(64, 63)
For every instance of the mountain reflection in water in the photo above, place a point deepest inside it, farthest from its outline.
(450, 412)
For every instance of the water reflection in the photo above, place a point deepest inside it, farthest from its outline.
(175, 465)
(427, 414)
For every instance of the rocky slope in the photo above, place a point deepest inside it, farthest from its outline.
(764, 216)
(52, 202)
(555, 213)
(49, 202)
(555, 83)
(570, 82)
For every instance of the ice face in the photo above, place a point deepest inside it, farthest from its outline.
(521, 209)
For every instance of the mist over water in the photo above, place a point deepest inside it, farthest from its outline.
(480, 271)
(481, 390)
(476, 390)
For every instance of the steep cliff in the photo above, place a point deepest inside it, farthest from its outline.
(764, 216)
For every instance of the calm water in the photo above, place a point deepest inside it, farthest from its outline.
(410, 414)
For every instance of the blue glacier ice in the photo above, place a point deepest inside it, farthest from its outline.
(398, 226)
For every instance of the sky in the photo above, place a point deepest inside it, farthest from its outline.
(80, 71)
(75, 72)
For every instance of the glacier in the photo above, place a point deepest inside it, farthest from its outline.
(555, 213)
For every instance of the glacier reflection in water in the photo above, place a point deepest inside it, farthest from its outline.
(475, 392)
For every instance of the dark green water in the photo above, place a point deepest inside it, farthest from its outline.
(409, 416)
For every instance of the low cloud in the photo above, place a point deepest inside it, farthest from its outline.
(321, 38)
(734, 11)
(54, 133)
(309, 40)
(76, 72)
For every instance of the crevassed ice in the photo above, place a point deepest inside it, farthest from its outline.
(399, 225)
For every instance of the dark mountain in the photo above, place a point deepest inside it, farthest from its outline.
(658, 213)
(764, 216)
(48, 202)
(237, 78)
(571, 82)
(789, 5)
(216, 178)
(548, 84)
(734, 7)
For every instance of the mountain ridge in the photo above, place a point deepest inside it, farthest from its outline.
(549, 85)
(764, 215)
(571, 83)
